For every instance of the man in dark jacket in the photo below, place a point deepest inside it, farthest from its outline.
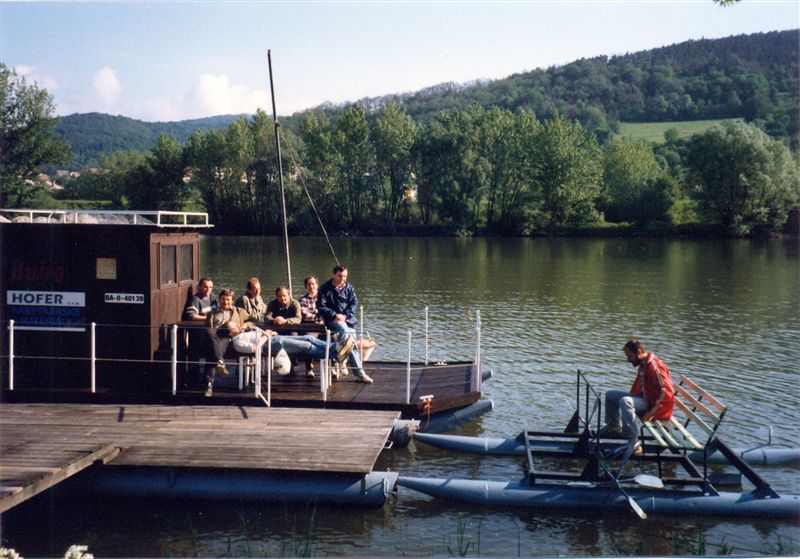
(336, 304)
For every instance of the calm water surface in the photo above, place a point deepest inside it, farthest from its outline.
(725, 312)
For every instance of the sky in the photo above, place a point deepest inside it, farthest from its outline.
(166, 61)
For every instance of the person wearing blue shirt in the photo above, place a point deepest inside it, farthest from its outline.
(336, 304)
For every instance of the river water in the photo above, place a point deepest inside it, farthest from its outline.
(724, 312)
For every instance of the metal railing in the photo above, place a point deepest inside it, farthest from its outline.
(176, 341)
(163, 219)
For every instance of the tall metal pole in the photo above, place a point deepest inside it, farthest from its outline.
(280, 173)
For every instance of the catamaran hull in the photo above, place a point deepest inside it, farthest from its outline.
(765, 456)
(602, 498)
(239, 485)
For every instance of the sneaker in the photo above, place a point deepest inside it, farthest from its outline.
(221, 369)
(310, 373)
(209, 390)
(344, 348)
(365, 378)
(607, 430)
(638, 450)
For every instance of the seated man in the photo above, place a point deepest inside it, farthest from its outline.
(283, 309)
(222, 326)
(337, 303)
(197, 309)
(651, 396)
(251, 301)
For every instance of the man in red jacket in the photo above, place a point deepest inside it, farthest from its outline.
(651, 396)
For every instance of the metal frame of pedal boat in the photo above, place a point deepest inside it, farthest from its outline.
(590, 450)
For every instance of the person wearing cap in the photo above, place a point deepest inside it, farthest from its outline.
(651, 396)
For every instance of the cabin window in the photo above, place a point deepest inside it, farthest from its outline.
(185, 264)
(106, 268)
(168, 265)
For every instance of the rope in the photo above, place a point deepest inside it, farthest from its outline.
(311, 201)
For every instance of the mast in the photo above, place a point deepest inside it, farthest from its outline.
(280, 175)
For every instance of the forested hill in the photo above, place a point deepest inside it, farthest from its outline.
(94, 134)
(750, 76)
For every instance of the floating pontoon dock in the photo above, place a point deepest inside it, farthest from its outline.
(195, 451)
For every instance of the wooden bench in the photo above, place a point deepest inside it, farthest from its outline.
(695, 419)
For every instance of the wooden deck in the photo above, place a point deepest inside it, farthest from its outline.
(43, 444)
(452, 386)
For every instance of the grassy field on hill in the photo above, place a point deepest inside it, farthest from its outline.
(654, 131)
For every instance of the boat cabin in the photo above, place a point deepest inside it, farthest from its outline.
(92, 292)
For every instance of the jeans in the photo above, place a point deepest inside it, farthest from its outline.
(622, 405)
(343, 330)
(301, 345)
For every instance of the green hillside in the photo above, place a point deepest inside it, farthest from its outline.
(94, 134)
(751, 77)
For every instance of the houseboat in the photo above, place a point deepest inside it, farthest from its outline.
(91, 313)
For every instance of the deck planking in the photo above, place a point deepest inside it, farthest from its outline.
(43, 444)
(452, 386)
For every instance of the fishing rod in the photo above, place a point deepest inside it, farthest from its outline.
(280, 174)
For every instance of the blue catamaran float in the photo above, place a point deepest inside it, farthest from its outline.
(687, 442)
(762, 455)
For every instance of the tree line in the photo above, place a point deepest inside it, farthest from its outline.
(754, 77)
(468, 171)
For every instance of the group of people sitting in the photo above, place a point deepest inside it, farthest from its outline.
(245, 323)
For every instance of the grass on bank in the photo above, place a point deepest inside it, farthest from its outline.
(654, 131)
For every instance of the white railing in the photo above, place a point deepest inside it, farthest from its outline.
(326, 374)
(159, 218)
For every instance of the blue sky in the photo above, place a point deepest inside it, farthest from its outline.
(160, 61)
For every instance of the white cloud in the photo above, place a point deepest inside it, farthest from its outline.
(214, 94)
(209, 95)
(31, 74)
(107, 86)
